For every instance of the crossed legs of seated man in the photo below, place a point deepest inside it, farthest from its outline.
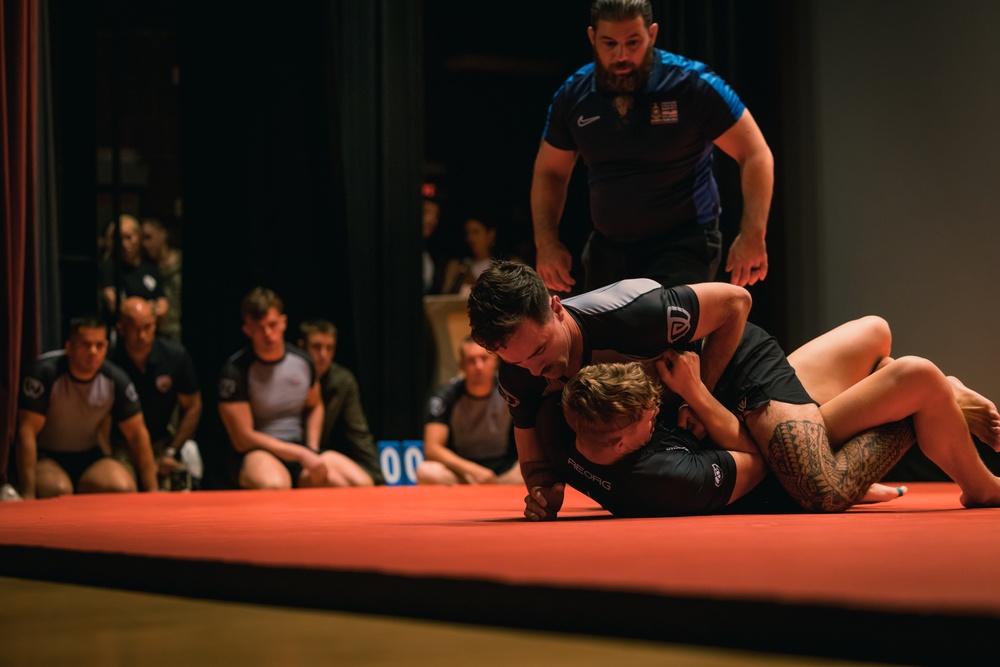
(794, 437)
(263, 470)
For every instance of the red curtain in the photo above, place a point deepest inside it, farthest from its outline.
(18, 113)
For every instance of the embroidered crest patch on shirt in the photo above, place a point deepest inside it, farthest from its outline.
(663, 113)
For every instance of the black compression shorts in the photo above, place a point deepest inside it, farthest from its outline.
(74, 463)
(759, 373)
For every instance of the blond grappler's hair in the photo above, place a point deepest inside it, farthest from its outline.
(607, 397)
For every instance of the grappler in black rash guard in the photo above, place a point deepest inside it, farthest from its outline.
(543, 341)
(613, 406)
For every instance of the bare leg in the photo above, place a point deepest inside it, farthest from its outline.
(911, 385)
(841, 357)
(106, 476)
(981, 413)
(51, 480)
(263, 470)
(341, 470)
(435, 472)
(794, 441)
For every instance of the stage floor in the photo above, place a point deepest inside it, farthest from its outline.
(911, 581)
(44, 624)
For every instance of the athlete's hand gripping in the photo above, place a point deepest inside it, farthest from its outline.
(543, 503)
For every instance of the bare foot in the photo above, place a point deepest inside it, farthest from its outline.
(990, 501)
(980, 413)
(880, 493)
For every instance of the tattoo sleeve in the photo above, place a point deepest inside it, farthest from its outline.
(822, 480)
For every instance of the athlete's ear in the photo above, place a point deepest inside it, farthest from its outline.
(653, 29)
(590, 34)
(556, 305)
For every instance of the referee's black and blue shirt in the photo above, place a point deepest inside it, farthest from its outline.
(651, 170)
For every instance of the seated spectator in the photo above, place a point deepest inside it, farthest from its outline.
(132, 275)
(468, 434)
(433, 259)
(480, 238)
(353, 457)
(270, 403)
(164, 377)
(66, 399)
(160, 249)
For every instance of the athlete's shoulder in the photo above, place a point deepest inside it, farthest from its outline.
(115, 372)
(242, 357)
(444, 398)
(298, 353)
(170, 348)
(48, 365)
(612, 296)
(675, 60)
(451, 390)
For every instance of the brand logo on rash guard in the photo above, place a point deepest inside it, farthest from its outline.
(164, 383)
(589, 475)
(678, 323)
(436, 406)
(33, 388)
(512, 400)
(584, 122)
(227, 388)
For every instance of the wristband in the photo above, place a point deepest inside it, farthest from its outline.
(538, 473)
(171, 452)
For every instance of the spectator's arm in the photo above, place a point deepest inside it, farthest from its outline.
(238, 420)
(314, 417)
(191, 407)
(134, 430)
(30, 424)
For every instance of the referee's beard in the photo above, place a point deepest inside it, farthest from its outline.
(628, 82)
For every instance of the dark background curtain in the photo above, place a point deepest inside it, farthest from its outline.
(302, 137)
(301, 164)
(17, 148)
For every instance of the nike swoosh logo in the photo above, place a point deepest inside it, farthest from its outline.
(584, 122)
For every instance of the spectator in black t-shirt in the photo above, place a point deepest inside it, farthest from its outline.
(131, 274)
(164, 377)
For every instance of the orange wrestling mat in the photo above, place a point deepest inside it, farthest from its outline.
(914, 580)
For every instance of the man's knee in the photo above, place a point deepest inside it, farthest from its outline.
(263, 471)
(107, 476)
(878, 332)
(922, 372)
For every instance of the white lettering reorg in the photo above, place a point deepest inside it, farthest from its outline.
(589, 475)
